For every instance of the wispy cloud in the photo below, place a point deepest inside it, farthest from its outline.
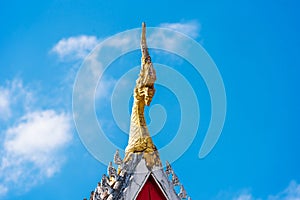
(292, 192)
(104, 89)
(3, 190)
(5, 111)
(74, 48)
(31, 149)
(32, 141)
(172, 40)
(13, 94)
(244, 196)
(190, 28)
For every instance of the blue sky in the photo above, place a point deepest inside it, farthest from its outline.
(255, 45)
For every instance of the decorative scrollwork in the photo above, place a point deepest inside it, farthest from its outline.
(117, 159)
(182, 194)
(139, 136)
(169, 169)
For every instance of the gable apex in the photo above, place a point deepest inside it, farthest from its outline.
(151, 190)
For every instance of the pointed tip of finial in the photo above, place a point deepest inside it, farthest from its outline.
(143, 41)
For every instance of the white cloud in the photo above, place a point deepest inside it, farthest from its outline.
(292, 192)
(104, 89)
(74, 48)
(3, 190)
(5, 111)
(32, 149)
(32, 141)
(37, 133)
(119, 41)
(13, 94)
(160, 38)
(173, 41)
(190, 28)
(78, 47)
(244, 196)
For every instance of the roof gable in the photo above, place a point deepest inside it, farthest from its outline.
(140, 174)
(151, 190)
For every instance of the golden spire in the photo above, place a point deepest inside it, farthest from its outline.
(139, 136)
(144, 47)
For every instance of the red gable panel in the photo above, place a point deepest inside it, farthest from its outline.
(151, 191)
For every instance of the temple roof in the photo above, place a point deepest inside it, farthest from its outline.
(128, 180)
(141, 170)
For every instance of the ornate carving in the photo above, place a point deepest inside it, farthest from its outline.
(169, 169)
(140, 145)
(182, 193)
(109, 188)
(139, 136)
(117, 159)
(175, 180)
(112, 172)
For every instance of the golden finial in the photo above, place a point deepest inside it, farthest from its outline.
(139, 136)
